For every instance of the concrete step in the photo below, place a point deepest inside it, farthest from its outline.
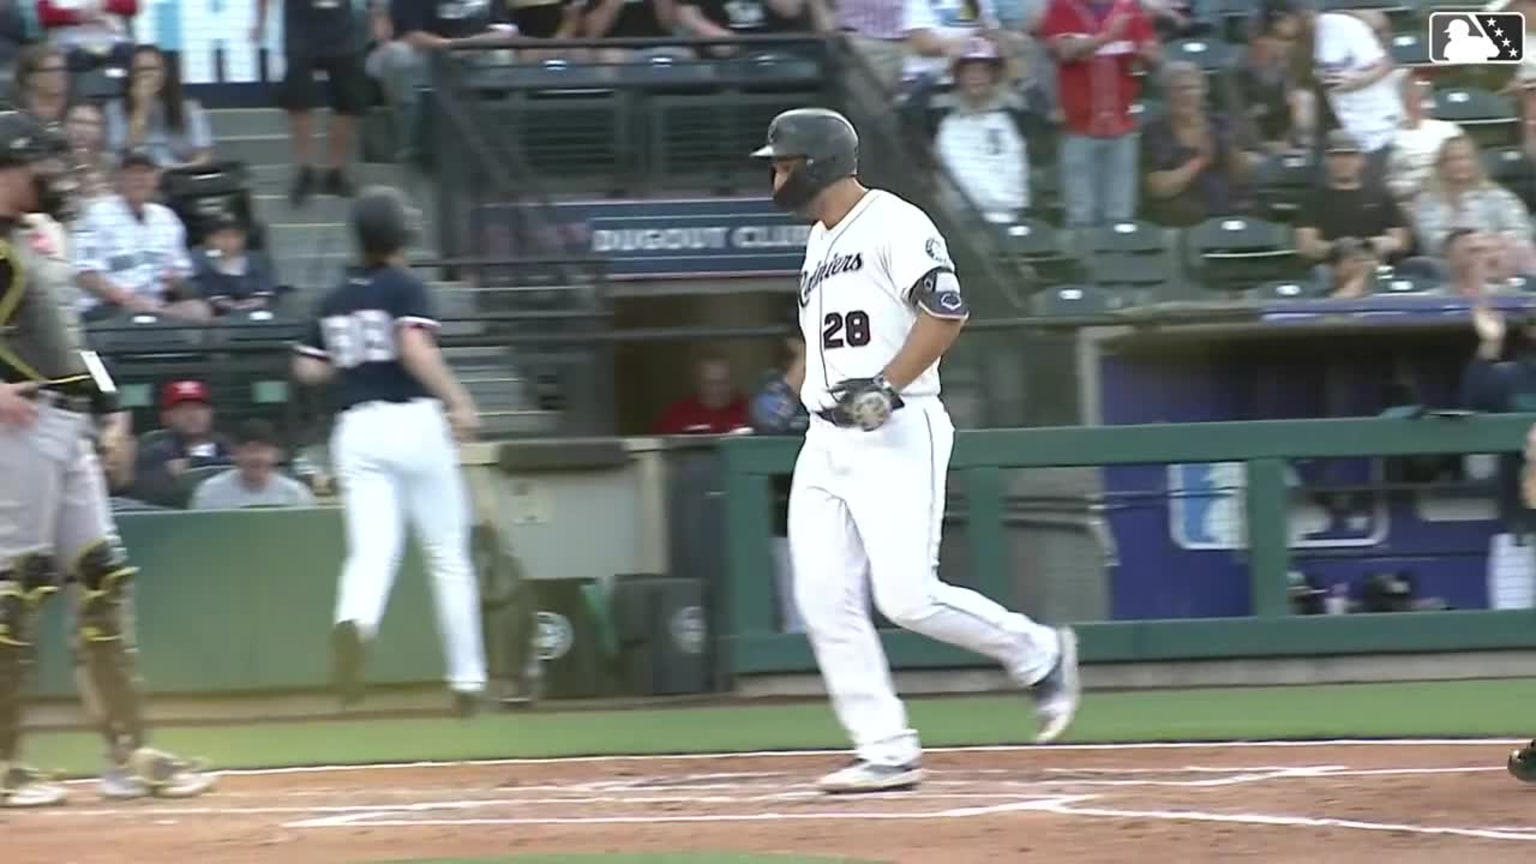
(307, 272)
(498, 398)
(526, 423)
(476, 357)
(297, 237)
(270, 149)
(308, 263)
(274, 178)
(454, 325)
(242, 122)
(273, 208)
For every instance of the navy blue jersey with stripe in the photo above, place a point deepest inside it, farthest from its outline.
(356, 329)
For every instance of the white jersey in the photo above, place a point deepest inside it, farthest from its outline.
(855, 286)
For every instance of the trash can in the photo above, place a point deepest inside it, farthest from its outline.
(570, 638)
(661, 628)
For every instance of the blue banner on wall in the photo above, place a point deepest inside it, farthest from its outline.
(679, 239)
(1180, 530)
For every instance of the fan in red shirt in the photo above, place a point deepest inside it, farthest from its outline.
(1098, 46)
(91, 32)
(716, 409)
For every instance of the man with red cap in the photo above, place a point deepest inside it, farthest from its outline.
(186, 441)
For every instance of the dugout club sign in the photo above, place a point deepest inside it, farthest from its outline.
(676, 239)
(699, 238)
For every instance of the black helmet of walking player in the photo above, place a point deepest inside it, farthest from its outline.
(824, 139)
(381, 223)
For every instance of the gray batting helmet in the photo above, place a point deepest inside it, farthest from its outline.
(381, 221)
(827, 142)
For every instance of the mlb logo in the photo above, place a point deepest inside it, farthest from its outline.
(1476, 38)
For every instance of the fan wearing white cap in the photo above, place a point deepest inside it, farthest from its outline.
(979, 140)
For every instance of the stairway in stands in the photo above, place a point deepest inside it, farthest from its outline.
(311, 248)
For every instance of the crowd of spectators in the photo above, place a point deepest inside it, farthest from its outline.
(125, 128)
(1123, 111)
(131, 244)
(1084, 113)
(187, 463)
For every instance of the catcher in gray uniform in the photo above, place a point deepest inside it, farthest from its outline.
(55, 525)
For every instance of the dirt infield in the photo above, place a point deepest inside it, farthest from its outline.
(1331, 802)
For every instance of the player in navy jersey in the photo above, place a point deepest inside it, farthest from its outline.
(400, 408)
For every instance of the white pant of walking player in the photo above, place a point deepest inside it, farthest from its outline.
(873, 503)
(397, 462)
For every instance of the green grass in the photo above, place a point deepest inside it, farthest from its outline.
(1449, 709)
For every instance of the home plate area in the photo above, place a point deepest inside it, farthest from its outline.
(1316, 802)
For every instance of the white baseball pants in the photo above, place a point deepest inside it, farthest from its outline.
(866, 511)
(397, 462)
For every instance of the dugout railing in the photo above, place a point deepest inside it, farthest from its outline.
(258, 618)
(981, 471)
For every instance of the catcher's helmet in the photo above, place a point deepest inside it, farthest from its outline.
(827, 142)
(23, 140)
(381, 221)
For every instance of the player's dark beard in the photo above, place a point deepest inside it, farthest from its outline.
(795, 194)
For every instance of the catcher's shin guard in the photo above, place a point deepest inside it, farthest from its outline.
(106, 671)
(23, 588)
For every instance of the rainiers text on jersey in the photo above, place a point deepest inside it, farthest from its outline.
(864, 283)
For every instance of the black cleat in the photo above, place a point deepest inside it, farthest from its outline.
(1058, 694)
(467, 704)
(336, 183)
(303, 186)
(347, 662)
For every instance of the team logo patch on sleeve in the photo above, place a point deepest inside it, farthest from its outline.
(935, 249)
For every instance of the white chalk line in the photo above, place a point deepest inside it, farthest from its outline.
(408, 814)
(591, 793)
(779, 754)
(1073, 809)
(378, 819)
(1232, 776)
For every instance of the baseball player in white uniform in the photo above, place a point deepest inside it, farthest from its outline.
(879, 306)
(400, 408)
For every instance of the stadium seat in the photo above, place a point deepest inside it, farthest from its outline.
(1488, 117)
(1282, 181)
(775, 70)
(1525, 284)
(145, 334)
(1283, 289)
(255, 328)
(1389, 281)
(1387, 6)
(1040, 246)
(1211, 55)
(1138, 280)
(1410, 49)
(1120, 271)
(1233, 252)
(1135, 238)
(1075, 300)
(198, 193)
(1235, 16)
(1146, 110)
(1512, 169)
